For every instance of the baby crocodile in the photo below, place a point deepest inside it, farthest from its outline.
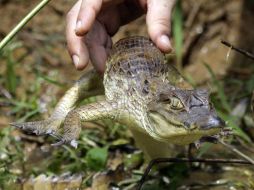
(142, 92)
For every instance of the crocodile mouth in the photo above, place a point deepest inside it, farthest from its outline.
(168, 128)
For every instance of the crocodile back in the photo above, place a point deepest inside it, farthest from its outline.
(132, 56)
(132, 63)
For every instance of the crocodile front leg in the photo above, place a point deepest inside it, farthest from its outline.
(90, 112)
(88, 85)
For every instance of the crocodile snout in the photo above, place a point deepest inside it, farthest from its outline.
(213, 122)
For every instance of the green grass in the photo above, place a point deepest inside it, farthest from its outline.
(177, 29)
(223, 106)
(11, 80)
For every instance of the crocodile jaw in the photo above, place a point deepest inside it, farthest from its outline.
(177, 133)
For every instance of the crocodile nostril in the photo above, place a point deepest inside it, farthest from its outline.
(221, 122)
(213, 122)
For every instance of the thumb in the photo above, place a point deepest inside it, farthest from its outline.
(158, 21)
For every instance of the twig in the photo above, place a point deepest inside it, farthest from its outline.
(22, 23)
(244, 145)
(242, 51)
(238, 152)
(181, 160)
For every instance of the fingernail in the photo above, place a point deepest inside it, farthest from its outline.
(75, 60)
(164, 40)
(78, 25)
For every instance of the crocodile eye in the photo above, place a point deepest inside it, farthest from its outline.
(166, 101)
(172, 102)
(175, 103)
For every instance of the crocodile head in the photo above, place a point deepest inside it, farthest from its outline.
(183, 116)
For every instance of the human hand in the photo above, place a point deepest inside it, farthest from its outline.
(91, 23)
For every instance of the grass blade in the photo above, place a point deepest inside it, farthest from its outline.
(220, 89)
(22, 23)
(178, 33)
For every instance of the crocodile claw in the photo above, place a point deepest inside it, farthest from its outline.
(17, 125)
(59, 143)
(73, 143)
(214, 138)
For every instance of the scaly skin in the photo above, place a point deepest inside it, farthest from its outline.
(142, 92)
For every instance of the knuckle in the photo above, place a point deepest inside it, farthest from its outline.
(95, 8)
(160, 25)
(94, 5)
(162, 22)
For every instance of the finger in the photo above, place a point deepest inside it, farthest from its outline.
(98, 43)
(98, 58)
(158, 22)
(99, 54)
(75, 45)
(86, 16)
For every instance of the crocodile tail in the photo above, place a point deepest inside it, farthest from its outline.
(45, 127)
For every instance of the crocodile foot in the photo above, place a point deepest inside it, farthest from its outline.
(45, 127)
(50, 127)
(73, 143)
(214, 138)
